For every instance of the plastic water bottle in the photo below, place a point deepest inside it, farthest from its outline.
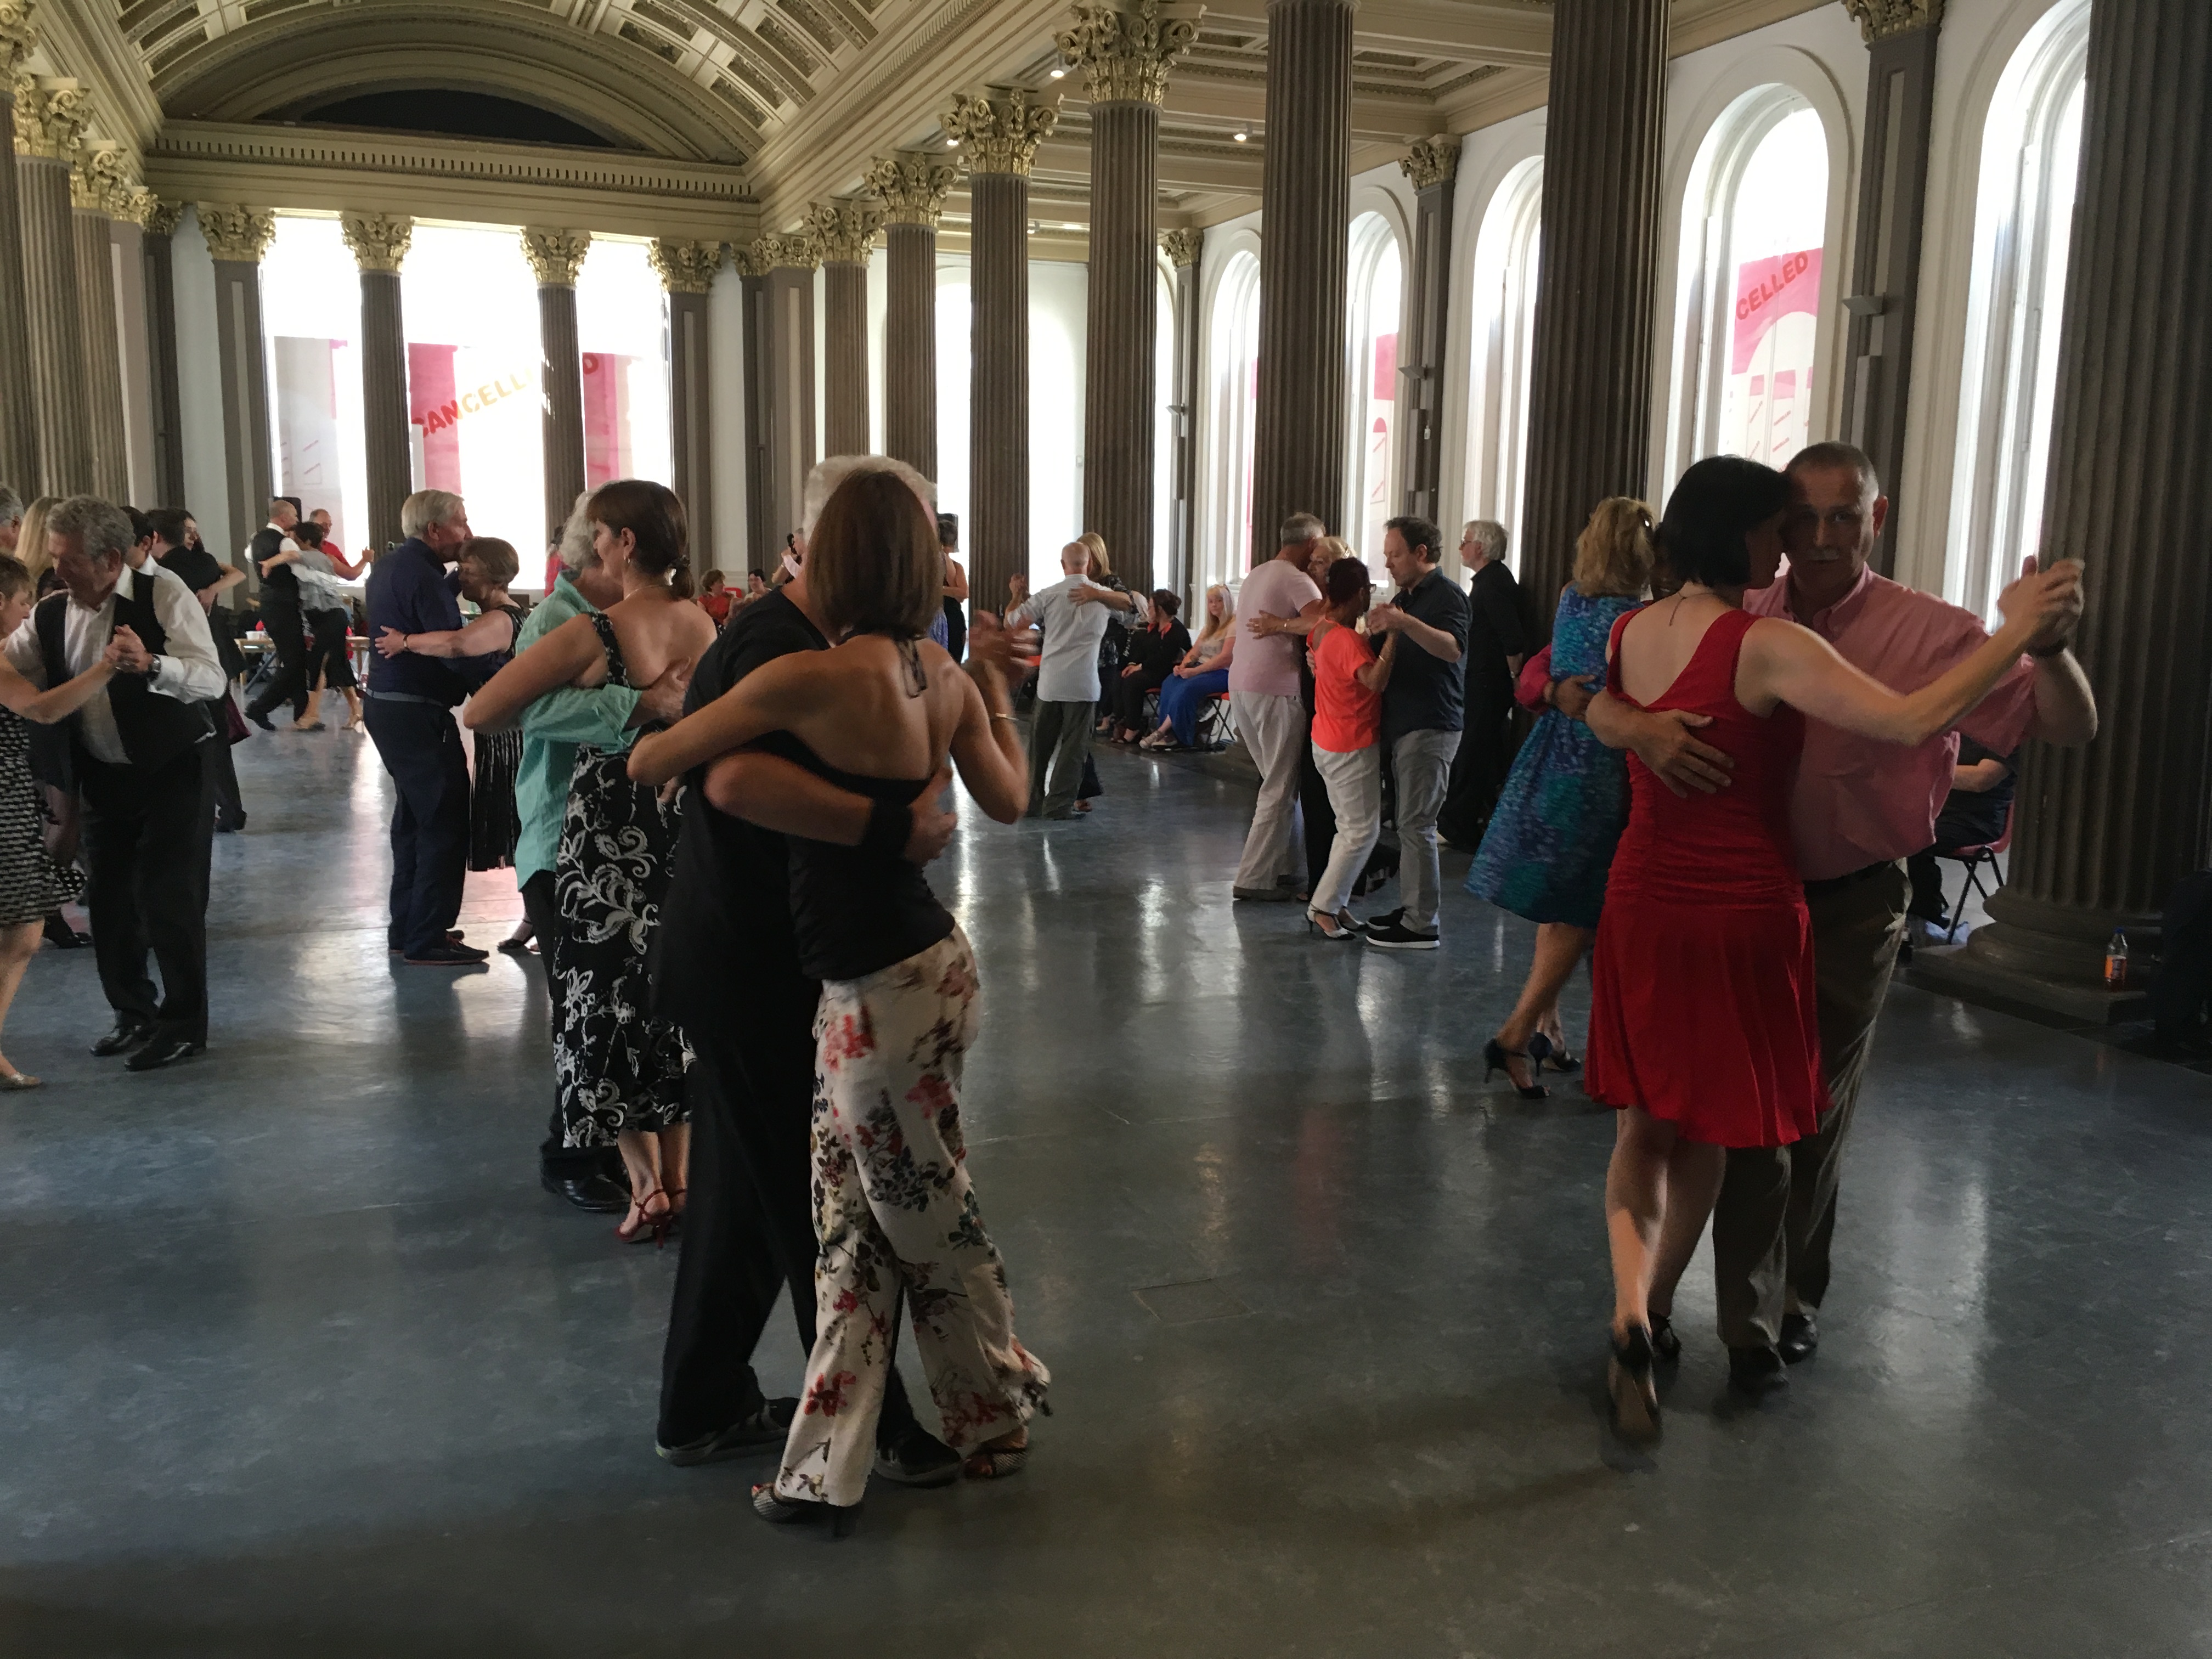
(2116, 961)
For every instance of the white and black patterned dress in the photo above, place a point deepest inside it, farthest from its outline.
(616, 1065)
(31, 884)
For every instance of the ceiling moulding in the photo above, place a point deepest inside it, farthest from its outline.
(468, 180)
(1517, 35)
(1694, 25)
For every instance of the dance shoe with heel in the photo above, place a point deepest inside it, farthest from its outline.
(1543, 1052)
(1634, 1394)
(1497, 1057)
(1339, 928)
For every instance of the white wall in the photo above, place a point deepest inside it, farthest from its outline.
(199, 375)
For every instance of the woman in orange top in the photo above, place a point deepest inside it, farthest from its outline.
(1347, 728)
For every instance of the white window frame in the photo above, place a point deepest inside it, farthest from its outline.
(1371, 236)
(1508, 250)
(1232, 337)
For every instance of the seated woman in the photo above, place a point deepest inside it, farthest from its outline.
(1202, 673)
(618, 1071)
(1349, 678)
(878, 712)
(1154, 651)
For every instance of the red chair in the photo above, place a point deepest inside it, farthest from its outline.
(1975, 860)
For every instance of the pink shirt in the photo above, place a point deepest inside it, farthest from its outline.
(1277, 588)
(1860, 801)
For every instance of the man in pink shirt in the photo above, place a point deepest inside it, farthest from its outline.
(1860, 809)
(1263, 699)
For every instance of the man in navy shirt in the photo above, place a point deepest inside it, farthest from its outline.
(410, 703)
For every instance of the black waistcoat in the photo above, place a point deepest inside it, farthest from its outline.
(155, 729)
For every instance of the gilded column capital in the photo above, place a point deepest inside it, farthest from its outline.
(1881, 19)
(161, 218)
(794, 250)
(378, 240)
(237, 233)
(1125, 54)
(748, 259)
(1432, 162)
(18, 34)
(912, 184)
(845, 232)
(1000, 131)
(51, 114)
(556, 255)
(103, 181)
(685, 267)
(1182, 246)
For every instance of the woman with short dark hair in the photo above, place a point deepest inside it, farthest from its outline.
(1154, 651)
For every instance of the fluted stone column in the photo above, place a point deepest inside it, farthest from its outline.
(1430, 167)
(51, 116)
(19, 436)
(555, 256)
(687, 274)
(156, 248)
(1901, 37)
(1000, 133)
(912, 187)
(763, 542)
(237, 237)
(1125, 56)
(1183, 248)
(787, 300)
(845, 232)
(1298, 449)
(1589, 404)
(99, 190)
(2104, 831)
(380, 243)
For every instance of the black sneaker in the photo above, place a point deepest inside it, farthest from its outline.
(448, 954)
(1399, 937)
(1387, 919)
(767, 1424)
(918, 1458)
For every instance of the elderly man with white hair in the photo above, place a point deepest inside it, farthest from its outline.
(1498, 642)
(11, 519)
(1072, 616)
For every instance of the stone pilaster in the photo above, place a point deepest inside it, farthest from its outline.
(380, 243)
(1183, 248)
(787, 400)
(18, 435)
(912, 187)
(51, 115)
(555, 256)
(999, 134)
(1590, 371)
(687, 273)
(237, 237)
(1298, 450)
(2104, 832)
(1901, 37)
(1125, 56)
(1430, 167)
(101, 191)
(845, 233)
(762, 541)
(165, 403)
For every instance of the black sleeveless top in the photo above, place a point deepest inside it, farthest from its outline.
(856, 912)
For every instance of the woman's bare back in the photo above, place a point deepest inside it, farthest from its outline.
(655, 630)
(866, 717)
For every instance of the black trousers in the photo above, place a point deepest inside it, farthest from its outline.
(560, 1161)
(749, 1213)
(222, 768)
(148, 839)
(421, 748)
(331, 661)
(1129, 694)
(1479, 770)
(287, 638)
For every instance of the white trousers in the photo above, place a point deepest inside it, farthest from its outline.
(1273, 729)
(1355, 795)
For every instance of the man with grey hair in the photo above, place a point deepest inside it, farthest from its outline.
(1496, 643)
(1271, 719)
(141, 752)
(11, 519)
(1071, 617)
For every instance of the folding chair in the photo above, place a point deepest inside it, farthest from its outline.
(1216, 730)
(1975, 860)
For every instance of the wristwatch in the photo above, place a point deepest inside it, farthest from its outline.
(153, 666)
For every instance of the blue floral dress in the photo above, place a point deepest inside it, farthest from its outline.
(1565, 802)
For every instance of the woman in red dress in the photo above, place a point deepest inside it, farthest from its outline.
(1702, 1026)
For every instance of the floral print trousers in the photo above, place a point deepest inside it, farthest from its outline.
(893, 1205)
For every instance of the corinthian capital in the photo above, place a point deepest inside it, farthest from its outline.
(378, 240)
(912, 186)
(1431, 161)
(795, 251)
(748, 258)
(1000, 132)
(161, 218)
(18, 34)
(103, 181)
(1124, 53)
(686, 267)
(844, 231)
(1182, 246)
(1880, 19)
(51, 115)
(556, 255)
(241, 234)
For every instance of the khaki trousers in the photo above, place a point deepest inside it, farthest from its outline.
(1776, 1220)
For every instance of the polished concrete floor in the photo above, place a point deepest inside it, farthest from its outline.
(296, 1358)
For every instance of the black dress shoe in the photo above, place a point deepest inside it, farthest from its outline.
(1756, 1372)
(62, 937)
(1801, 1335)
(449, 955)
(260, 719)
(598, 1194)
(767, 1424)
(165, 1050)
(918, 1458)
(127, 1035)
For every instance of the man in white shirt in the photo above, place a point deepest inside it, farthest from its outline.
(1263, 698)
(1072, 613)
(141, 752)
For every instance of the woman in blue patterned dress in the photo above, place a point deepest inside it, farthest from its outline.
(1565, 802)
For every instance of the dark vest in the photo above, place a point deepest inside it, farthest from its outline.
(278, 586)
(155, 729)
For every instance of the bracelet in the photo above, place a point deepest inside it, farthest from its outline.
(1009, 719)
(2050, 651)
(890, 826)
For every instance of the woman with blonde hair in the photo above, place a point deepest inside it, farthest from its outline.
(1565, 802)
(1202, 673)
(31, 545)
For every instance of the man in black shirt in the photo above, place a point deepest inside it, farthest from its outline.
(280, 618)
(1496, 643)
(1974, 815)
(726, 968)
(176, 552)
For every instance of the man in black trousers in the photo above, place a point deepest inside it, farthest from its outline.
(280, 618)
(208, 577)
(411, 720)
(727, 968)
(141, 749)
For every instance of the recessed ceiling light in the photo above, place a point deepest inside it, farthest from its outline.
(952, 143)
(1242, 136)
(1057, 73)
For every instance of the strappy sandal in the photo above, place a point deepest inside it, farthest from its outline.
(1543, 1052)
(644, 1222)
(995, 1463)
(840, 1518)
(1635, 1395)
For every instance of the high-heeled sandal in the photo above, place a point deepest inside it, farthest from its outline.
(643, 1221)
(1635, 1395)
(840, 1518)
(1495, 1058)
(995, 1463)
(1665, 1345)
(675, 1204)
(1543, 1052)
(1330, 927)
(14, 1080)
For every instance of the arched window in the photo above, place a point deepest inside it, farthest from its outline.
(1507, 250)
(1232, 410)
(1376, 288)
(2023, 220)
(1748, 321)
(1165, 355)
(621, 326)
(314, 328)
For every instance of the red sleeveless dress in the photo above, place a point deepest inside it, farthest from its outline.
(1702, 989)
